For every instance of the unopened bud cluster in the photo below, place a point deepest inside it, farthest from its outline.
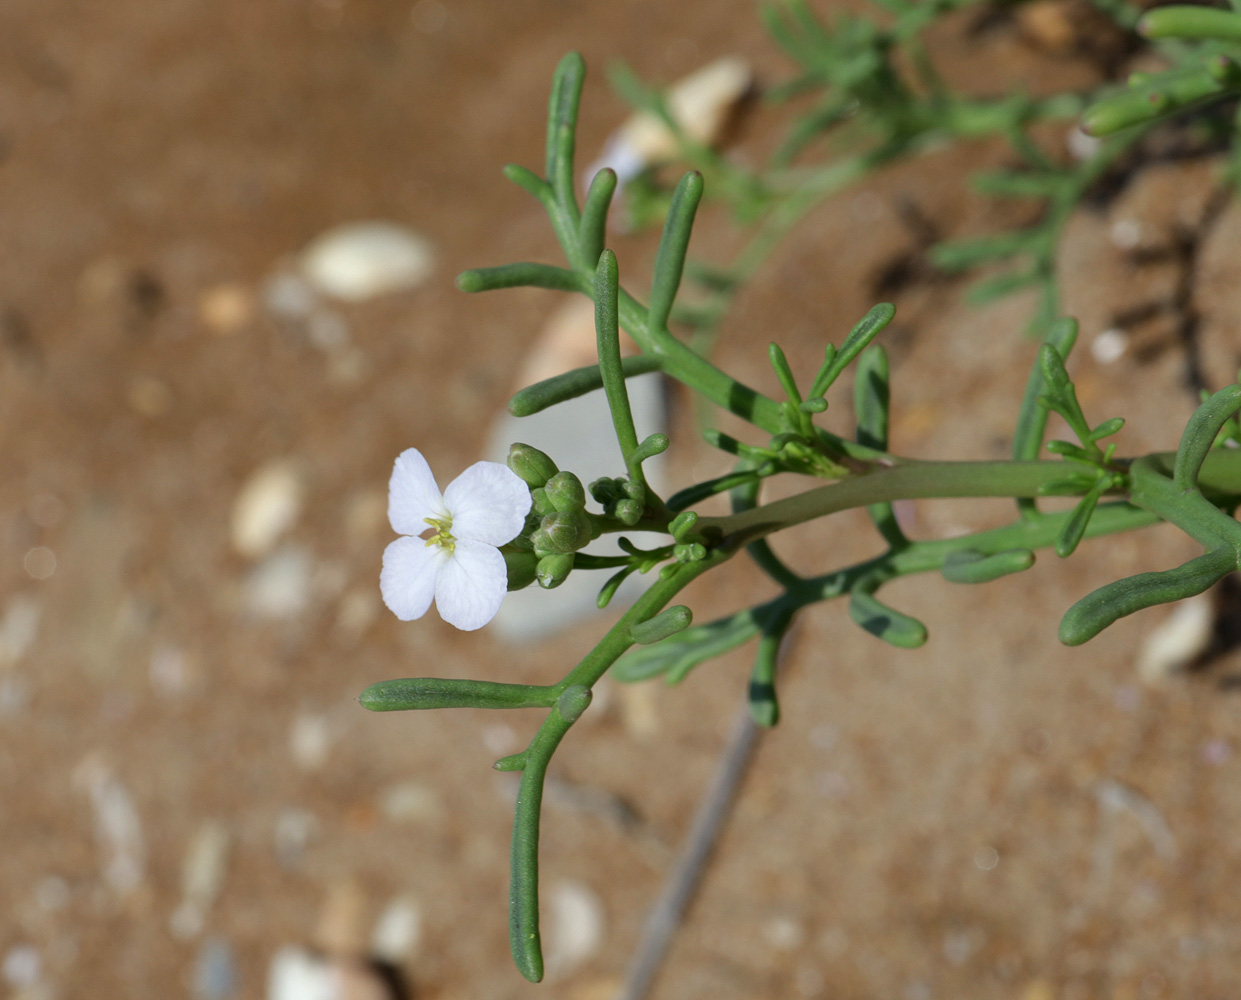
(622, 499)
(557, 527)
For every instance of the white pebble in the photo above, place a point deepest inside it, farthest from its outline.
(18, 629)
(22, 966)
(1109, 346)
(411, 802)
(294, 974)
(169, 671)
(310, 741)
(14, 695)
(294, 829)
(278, 588)
(360, 260)
(1080, 145)
(118, 829)
(700, 104)
(267, 505)
(215, 970)
(1178, 640)
(1125, 234)
(398, 931)
(784, 934)
(575, 926)
(960, 945)
(286, 296)
(202, 873)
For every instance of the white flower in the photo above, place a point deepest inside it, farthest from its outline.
(459, 565)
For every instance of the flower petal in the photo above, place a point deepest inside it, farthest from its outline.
(413, 495)
(471, 585)
(488, 502)
(407, 580)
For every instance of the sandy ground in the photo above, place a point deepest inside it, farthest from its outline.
(992, 816)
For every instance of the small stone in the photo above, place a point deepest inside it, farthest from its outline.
(1126, 234)
(1216, 753)
(398, 931)
(226, 309)
(361, 260)
(960, 945)
(22, 966)
(784, 934)
(575, 927)
(215, 970)
(278, 588)
(267, 505)
(295, 974)
(170, 671)
(703, 104)
(1080, 145)
(328, 331)
(411, 802)
(310, 741)
(202, 873)
(1109, 346)
(1161, 205)
(294, 829)
(288, 297)
(19, 626)
(118, 829)
(500, 739)
(1177, 641)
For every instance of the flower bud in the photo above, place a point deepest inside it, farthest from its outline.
(540, 502)
(522, 568)
(562, 531)
(604, 490)
(532, 465)
(553, 569)
(564, 491)
(628, 512)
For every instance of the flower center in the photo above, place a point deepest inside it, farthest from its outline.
(443, 533)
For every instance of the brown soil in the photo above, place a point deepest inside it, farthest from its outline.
(920, 825)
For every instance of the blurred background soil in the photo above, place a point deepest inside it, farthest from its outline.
(187, 784)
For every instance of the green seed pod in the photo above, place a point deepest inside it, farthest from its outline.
(565, 493)
(553, 570)
(532, 465)
(521, 568)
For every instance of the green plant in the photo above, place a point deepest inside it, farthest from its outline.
(1197, 487)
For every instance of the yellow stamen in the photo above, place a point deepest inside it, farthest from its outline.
(443, 533)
